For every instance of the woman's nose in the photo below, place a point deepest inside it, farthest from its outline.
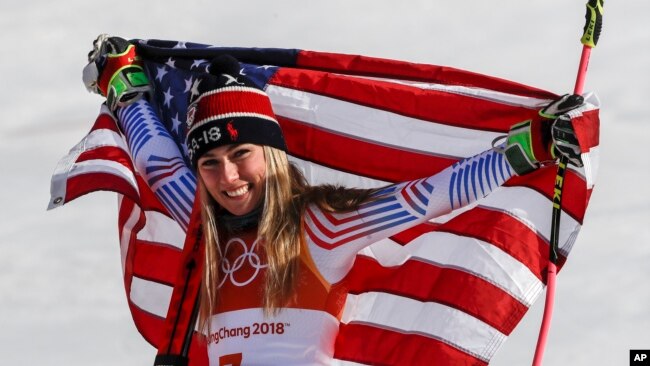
(230, 172)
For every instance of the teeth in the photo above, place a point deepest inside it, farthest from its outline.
(238, 192)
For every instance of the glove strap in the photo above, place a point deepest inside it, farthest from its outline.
(127, 86)
(526, 146)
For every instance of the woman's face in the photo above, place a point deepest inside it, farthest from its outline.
(234, 176)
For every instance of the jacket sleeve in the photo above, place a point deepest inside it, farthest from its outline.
(335, 238)
(158, 159)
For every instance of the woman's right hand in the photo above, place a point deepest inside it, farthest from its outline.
(114, 71)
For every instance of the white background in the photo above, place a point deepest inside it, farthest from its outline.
(61, 296)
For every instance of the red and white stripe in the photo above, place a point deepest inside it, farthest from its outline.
(100, 161)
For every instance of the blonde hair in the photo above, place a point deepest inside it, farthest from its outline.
(286, 196)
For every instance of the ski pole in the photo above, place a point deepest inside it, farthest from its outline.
(591, 33)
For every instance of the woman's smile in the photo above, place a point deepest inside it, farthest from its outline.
(238, 192)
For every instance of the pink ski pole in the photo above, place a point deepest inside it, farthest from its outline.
(591, 33)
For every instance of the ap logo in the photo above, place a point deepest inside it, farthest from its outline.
(639, 357)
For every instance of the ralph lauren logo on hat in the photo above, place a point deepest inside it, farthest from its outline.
(232, 131)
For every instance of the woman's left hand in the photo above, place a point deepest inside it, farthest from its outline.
(532, 143)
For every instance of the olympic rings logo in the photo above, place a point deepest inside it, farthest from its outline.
(230, 269)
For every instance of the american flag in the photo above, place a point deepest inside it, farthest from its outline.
(360, 122)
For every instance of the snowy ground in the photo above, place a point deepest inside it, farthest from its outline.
(61, 295)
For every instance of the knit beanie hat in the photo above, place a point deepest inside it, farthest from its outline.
(229, 109)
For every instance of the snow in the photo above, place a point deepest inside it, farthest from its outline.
(61, 296)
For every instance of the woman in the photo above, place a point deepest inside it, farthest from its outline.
(278, 249)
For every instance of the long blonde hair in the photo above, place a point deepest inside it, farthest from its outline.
(287, 194)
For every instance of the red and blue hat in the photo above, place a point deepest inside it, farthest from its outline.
(229, 109)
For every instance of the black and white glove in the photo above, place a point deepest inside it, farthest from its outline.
(114, 71)
(532, 143)
(565, 141)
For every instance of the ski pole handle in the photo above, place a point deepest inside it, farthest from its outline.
(593, 23)
(590, 36)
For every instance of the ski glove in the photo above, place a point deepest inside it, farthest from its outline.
(533, 143)
(565, 141)
(114, 71)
